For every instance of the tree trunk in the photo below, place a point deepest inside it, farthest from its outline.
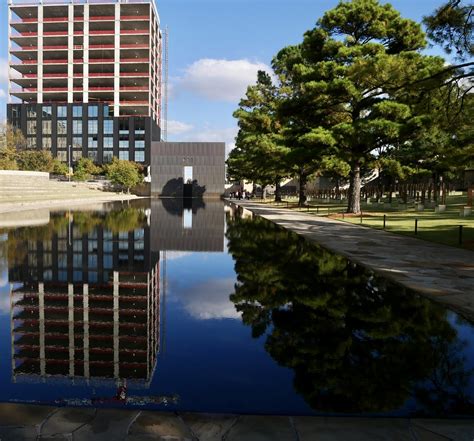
(302, 193)
(354, 190)
(277, 191)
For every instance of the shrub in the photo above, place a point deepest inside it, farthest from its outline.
(124, 173)
(35, 160)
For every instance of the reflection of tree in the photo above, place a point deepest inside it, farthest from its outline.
(355, 343)
(117, 221)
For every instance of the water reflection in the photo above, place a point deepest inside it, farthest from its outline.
(129, 305)
(187, 225)
(354, 342)
(85, 298)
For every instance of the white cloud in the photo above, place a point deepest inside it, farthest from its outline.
(210, 300)
(220, 80)
(178, 127)
(174, 255)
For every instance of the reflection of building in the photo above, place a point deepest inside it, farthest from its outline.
(178, 227)
(88, 307)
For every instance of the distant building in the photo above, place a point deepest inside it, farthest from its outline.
(188, 169)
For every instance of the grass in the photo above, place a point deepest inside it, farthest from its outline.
(435, 227)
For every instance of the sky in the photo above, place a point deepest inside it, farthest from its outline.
(216, 48)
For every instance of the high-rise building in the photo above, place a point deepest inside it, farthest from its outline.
(85, 77)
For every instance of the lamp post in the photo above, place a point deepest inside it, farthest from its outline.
(69, 162)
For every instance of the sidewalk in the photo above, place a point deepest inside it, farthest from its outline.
(442, 273)
(31, 422)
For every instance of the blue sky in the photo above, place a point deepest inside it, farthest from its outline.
(215, 50)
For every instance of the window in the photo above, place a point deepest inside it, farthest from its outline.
(31, 127)
(62, 155)
(92, 155)
(123, 155)
(62, 142)
(108, 142)
(46, 143)
(15, 112)
(92, 127)
(47, 111)
(92, 142)
(76, 155)
(31, 143)
(123, 144)
(77, 127)
(123, 127)
(108, 111)
(107, 156)
(108, 127)
(139, 156)
(62, 127)
(62, 111)
(93, 111)
(77, 111)
(77, 142)
(139, 126)
(140, 144)
(47, 127)
(31, 112)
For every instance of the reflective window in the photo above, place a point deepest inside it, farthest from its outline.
(62, 155)
(31, 143)
(92, 142)
(107, 156)
(46, 143)
(123, 155)
(47, 111)
(92, 127)
(93, 111)
(77, 142)
(31, 127)
(77, 127)
(108, 142)
(92, 155)
(47, 127)
(31, 112)
(62, 127)
(62, 111)
(123, 144)
(76, 155)
(77, 111)
(62, 142)
(140, 144)
(108, 127)
(139, 156)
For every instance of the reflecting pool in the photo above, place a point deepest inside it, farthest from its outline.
(204, 307)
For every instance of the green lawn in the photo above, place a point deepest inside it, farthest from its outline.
(435, 227)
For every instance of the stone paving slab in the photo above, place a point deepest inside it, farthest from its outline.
(262, 428)
(157, 425)
(440, 272)
(41, 423)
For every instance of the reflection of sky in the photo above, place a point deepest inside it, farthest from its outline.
(201, 283)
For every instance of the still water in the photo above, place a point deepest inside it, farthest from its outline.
(206, 308)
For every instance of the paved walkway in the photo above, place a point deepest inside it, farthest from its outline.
(440, 272)
(28, 423)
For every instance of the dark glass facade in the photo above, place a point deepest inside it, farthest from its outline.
(84, 130)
